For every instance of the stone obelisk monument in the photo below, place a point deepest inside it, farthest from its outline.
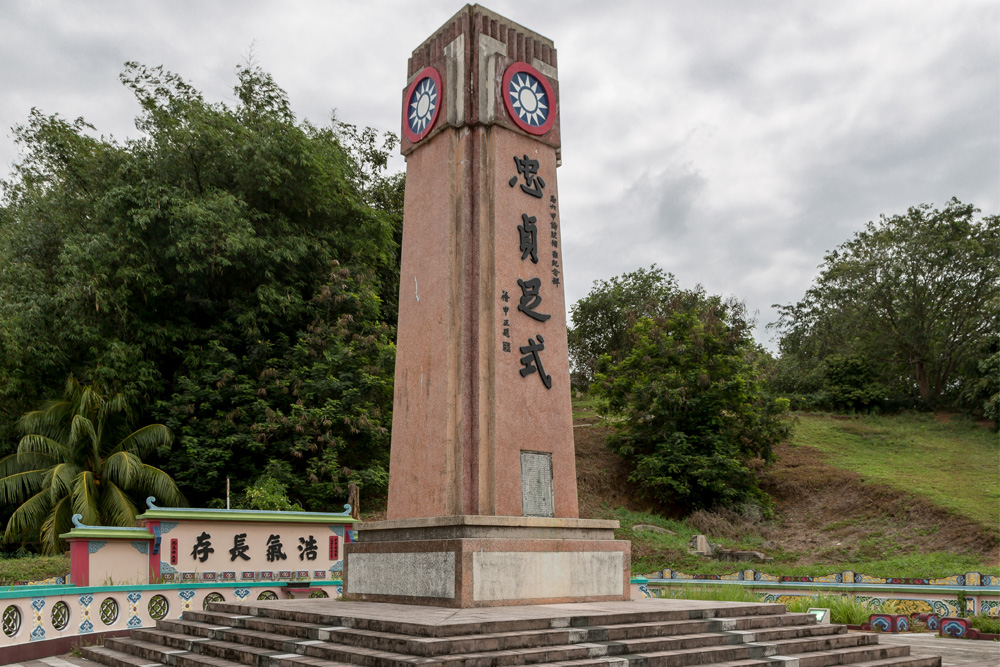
(482, 489)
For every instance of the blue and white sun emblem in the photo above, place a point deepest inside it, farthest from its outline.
(528, 98)
(423, 102)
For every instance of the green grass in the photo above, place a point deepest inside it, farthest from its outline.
(585, 406)
(652, 552)
(32, 568)
(843, 609)
(721, 592)
(952, 464)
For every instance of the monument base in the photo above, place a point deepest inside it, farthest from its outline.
(487, 561)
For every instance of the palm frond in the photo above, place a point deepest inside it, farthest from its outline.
(36, 443)
(117, 509)
(10, 466)
(157, 483)
(86, 400)
(86, 501)
(15, 488)
(56, 523)
(50, 419)
(122, 468)
(117, 404)
(81, 433)
(24, 522)
(61, 483)
(146, 439)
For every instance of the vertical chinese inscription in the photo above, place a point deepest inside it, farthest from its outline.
(554, 231)
(531, 247)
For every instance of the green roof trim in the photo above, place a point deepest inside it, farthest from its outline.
(108, 533)
(257, 516)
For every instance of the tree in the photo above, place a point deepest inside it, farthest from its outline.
(916, 296)
(233, 268)
(602, 321)
(692, 416)
(79, 455)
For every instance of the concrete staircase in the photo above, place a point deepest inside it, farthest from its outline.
(648, 633)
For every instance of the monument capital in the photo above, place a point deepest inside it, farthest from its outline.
(471, 54)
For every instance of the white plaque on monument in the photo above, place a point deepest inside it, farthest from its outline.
(536, 484)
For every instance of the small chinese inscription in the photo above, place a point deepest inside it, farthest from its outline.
(528, 234)
(532, 362)
(202, 547)
(530, 299)
(240, 547)
(528, 168)
(274, 547)
(307, 548)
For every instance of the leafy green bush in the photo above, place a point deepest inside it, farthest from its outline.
(695, 420)
(986, 624)
(235, 268)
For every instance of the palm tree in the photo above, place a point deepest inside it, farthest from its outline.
(79, 455)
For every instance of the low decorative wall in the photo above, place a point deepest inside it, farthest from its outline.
(174, 560)
(942, 596)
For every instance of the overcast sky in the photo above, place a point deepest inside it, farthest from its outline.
(731, 143)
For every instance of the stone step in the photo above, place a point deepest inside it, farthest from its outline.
(791, 632)
(260, 642)
(298, 614)
(147, 650)
(112, 658)
(283, 635)
(125, 651)
(853, 655)
(212, 618)
(209, 622)
(903, 661)
(823, 643)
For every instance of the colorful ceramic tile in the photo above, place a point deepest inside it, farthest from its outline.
(38, 629)
(133, 609)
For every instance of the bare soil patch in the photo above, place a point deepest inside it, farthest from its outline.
(824, 514)
(828, 514)
(602, 476)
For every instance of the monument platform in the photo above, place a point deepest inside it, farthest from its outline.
(641, 633)
(486, 561)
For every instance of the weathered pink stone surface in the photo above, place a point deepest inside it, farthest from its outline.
(462, 411)
(458, 533)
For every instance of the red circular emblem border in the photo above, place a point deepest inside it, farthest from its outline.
(517, 68)
(436, 78)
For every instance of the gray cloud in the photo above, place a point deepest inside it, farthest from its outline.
(731, 143)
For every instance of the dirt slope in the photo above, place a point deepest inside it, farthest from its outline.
(824, 513)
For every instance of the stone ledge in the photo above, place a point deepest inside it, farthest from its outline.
(485, 572)
(476, 526)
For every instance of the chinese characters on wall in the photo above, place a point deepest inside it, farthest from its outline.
(273, 550)
(534, 257)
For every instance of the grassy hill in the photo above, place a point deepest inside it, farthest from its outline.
(908, 495)
(951, 461)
